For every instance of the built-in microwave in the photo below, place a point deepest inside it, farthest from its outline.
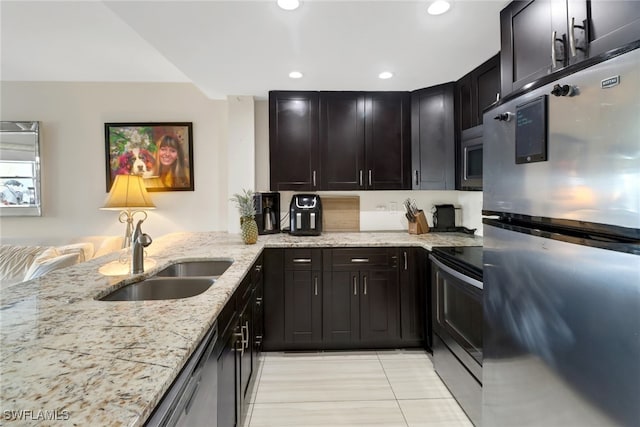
(471, 153)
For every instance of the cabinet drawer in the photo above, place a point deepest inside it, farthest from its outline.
(302, 259)
(243, 293)
(363, 257)
(227, 315)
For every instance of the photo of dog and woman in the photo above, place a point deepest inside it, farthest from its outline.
(160, 153)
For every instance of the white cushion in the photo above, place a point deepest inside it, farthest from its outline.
(37, 269)
(16, 260)
(84, 250)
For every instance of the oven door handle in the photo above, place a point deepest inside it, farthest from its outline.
(466, 279)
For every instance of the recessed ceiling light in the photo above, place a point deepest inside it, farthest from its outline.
(385, 75)
(295, 75)
(438, 7)
(289, 4)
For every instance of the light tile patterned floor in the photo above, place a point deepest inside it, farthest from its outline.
(396, 388)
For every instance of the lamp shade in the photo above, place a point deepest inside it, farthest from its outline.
(128, 191)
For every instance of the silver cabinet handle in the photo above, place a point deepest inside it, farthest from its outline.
(369, 177)
(241, 336)
(315, 285)
(314, 178)
(359, 259)
(361, 184)
(355, 285)
(364, 279)
(245, 341)
(572, 37)
(406, 264)
(417, 178)
(302, 260)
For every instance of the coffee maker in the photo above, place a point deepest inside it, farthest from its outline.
(444, 220)
(267, 212)
(305, 215)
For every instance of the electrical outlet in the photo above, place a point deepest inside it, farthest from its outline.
(393, 206)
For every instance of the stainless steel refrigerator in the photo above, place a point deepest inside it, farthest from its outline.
(562, 252)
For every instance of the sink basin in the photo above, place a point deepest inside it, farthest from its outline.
(157, 288)
(208, 268)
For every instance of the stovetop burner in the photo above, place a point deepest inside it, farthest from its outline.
(465, 258)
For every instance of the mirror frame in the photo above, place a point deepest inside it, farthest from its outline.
(24, 127)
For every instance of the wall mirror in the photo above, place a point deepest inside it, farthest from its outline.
(20, 169)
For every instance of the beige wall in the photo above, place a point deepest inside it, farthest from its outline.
(72, 117)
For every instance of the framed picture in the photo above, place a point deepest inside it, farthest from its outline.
(162, 153)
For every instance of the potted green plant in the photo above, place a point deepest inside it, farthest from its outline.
(247, 209)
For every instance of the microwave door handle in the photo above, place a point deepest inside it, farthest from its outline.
(464, 163)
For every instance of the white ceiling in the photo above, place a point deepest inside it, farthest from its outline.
(246, 47)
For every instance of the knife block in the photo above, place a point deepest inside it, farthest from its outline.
(420, 225)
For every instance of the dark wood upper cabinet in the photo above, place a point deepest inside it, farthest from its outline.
(364, 140)
(387, 141)
(476, 91)
(294, 156)
(433, 138)
(342, 127)
(612, 24)
(539, 37)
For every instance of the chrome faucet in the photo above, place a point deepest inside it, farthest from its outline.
(139, 241)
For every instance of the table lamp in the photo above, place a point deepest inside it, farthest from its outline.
(128, 194)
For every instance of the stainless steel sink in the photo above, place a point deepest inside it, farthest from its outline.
(208, 268)
(157, 288)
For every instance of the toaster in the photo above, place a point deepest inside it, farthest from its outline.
(305, 215)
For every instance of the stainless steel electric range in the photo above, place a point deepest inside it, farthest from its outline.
(456, 290)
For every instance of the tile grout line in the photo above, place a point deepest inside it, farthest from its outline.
(392, 390)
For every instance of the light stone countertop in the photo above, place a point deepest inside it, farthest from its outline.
(91, 362)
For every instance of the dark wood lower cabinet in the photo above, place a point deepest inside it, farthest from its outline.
(238, 348)
(303, 308)
(343, 298)
(340, 316)
(414, 281)
(379, 308)
(228, 376)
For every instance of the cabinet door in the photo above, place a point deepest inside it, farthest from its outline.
(486, 86)
(228, 395)
(613, 23)
(246, 350)
(258, 321)
(379, 308)
(433, 138)
(533, 40)
(273, 337)
(293, 141)
(412, 297)
(341, 308)
(465, 102)
(387, 141)
(303, 308)
(342, 119)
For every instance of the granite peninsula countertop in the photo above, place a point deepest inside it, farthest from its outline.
(68, 356)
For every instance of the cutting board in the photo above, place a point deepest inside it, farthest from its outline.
(340, 213)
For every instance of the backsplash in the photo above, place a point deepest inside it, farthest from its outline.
(384, 210)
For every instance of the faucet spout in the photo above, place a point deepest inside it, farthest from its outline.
(139, 241)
